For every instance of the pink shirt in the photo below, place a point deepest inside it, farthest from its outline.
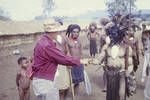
(47, 57)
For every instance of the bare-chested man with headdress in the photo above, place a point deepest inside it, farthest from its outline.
(146, 65)
(75, 49)
(92, 36)
(116, 54)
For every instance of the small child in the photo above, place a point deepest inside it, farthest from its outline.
(22, 80)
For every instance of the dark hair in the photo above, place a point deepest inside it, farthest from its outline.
(71, 27)
(116, 35)
(21, 59)
(93, 24)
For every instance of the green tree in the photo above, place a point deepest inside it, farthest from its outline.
(123, 7)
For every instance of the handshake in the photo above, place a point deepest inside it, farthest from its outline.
(87, 61)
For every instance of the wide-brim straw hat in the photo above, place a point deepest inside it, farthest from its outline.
(50, 25)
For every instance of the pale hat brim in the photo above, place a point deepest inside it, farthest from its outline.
(57, 27)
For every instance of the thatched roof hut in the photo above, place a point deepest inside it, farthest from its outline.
(14, 28)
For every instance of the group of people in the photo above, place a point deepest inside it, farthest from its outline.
(57, 58)
(119, 56)
(58, 62)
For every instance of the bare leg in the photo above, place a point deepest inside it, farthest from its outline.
(27, 94)
(62, 94)
(76, 88)
(21, 93)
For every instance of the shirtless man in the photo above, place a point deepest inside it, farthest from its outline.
(22, 80)
(116, 54)
(92, 36)
(75, 49)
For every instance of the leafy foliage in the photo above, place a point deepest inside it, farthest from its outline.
(122, 7)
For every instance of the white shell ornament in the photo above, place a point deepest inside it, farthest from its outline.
(114, 51)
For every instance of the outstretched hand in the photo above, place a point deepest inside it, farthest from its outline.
(94, 61)
(84, 61)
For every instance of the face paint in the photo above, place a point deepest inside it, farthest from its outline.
(75, 33)
(92, 29)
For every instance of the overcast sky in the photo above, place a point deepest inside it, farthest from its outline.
(28, 9)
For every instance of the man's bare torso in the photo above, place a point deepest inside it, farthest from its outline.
(74, 47)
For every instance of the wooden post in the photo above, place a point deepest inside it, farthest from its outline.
(72, 85)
